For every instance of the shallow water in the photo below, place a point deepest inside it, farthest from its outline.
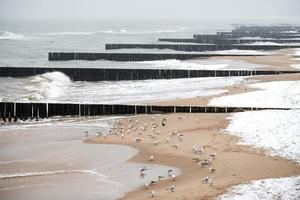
(49, 160)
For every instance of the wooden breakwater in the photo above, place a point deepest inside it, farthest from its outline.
(220, 40)
(11, 111)
(111, 74)
(199, 47)
(65, 56)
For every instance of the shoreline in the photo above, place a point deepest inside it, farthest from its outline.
(207, 132)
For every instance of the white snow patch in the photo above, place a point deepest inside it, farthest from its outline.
(267, 189)
(296, 66)
(276, 131)
(276, 94)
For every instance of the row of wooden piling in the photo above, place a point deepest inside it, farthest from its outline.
(112, 74)
(11, 111)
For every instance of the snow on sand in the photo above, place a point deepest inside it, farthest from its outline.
(267, 189)
(280, 94)
(275, 131)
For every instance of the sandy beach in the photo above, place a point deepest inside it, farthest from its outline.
(234, 164)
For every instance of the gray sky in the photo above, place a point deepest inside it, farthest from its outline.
(252, 10)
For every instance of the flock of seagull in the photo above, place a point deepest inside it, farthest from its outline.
(173, 139)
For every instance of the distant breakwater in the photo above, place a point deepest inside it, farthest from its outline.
(200, 47)
(65, 56)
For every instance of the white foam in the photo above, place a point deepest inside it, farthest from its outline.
(48, 86)
(178, 64)
(275, 94)
(101, 177)
(265, 43)
(266, 189)
(11, 36)
(238, 52)
(121, 31)
(276, 131)
(296, 66)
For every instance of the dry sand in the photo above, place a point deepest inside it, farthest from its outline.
(234, 164)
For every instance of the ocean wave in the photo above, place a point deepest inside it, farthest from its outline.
(121, 31)
(47, 86)
(10, 36)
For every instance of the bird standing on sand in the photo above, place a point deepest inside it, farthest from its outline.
(159, 177)
(137, 140)
(86, 133)
(142, 169)
(169, 172)
(152, 193)
(99, 134)
(212, 170)
(151, 158)
(171, 188)
(164, 122)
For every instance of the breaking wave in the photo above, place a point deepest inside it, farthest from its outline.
(10, 36)
(48, 86)
(121, 31)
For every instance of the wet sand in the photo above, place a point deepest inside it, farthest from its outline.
(234, 164)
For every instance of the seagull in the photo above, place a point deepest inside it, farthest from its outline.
(152, 118)
(137, 140)
(180, 137)
(171, 188)
(86, 133)
(197, 120)
(175, 145)
(213, 155)
(136, 121)
(142, 171)
(167, 139)
(196, 159)
(98, 134)
(152, 193)
(169, 172)
(203, 163)
(173, 177)
(156, 142)
(163, 121)
(151, 158)
(173, 133)
(122, 136)
(205, 180)
(212, 170)
(159, 177)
